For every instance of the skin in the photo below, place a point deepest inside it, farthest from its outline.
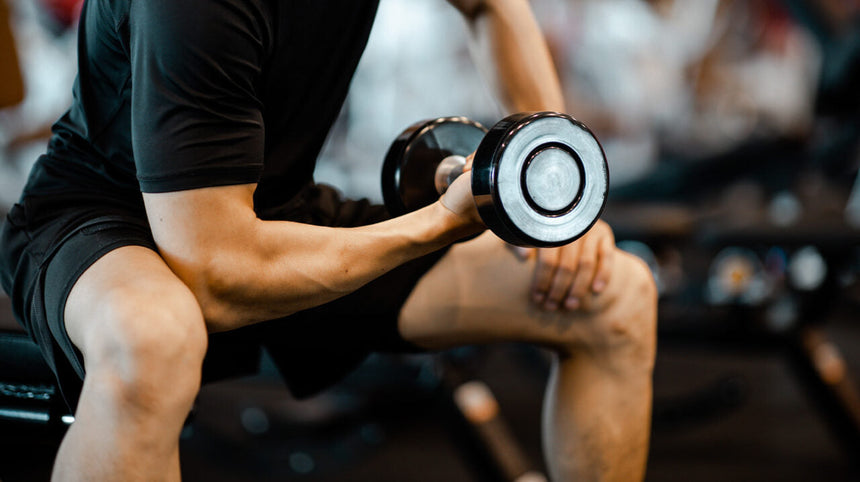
(219, 267)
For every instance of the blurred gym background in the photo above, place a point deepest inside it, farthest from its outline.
(731, 129)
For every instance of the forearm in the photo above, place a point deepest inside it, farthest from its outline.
(512, 54)
(270, 269)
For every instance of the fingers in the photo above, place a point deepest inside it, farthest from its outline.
(585, 270)
(469, 159)
(565, 276)
(547, 261)
(555, 272)
(605, 260)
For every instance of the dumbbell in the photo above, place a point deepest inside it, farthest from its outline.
(538, 179)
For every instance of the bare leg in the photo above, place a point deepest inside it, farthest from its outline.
(143, 340)
(174, 473)
(598, 402)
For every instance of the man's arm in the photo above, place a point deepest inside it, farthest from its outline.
(244, 270)
(510, 50)
(512, 54)
(198, 135)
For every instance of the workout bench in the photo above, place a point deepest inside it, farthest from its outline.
(28, 391)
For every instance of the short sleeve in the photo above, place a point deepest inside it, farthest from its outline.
(196, 117)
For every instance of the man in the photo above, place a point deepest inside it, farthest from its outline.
(176, 200)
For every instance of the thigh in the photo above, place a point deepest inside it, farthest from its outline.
(479, 293)
(46, 255)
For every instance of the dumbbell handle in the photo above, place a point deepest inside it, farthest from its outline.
(447, 171)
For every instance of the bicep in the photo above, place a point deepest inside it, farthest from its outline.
(194, 227)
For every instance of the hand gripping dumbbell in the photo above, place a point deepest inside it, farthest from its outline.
(538, 179)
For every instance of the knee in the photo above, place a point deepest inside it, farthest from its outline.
(639, 303)
(149, 349)
(636, 289)
(623, 320)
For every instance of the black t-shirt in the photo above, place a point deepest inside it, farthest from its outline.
(183, 94)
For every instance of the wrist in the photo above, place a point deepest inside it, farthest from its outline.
(455, 226)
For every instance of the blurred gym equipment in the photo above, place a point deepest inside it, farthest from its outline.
(766, 274)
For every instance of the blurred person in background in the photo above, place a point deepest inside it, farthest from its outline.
(42, 35)
(668, 84)
(679, 84)
(177, 199)
(11, 93)
(836, 26)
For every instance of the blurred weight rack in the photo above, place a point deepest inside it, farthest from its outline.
(759, 272)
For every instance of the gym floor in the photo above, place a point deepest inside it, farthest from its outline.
(721, 413)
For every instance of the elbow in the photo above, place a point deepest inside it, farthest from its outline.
(236, 287)
(230, 299)
(215, 306)
(218, 310)
(214, 286)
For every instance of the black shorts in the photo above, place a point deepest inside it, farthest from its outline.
(42, 256)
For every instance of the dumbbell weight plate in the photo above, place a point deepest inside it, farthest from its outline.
(540, 179)
(411, 161)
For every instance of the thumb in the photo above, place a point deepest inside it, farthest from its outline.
(469, 160)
